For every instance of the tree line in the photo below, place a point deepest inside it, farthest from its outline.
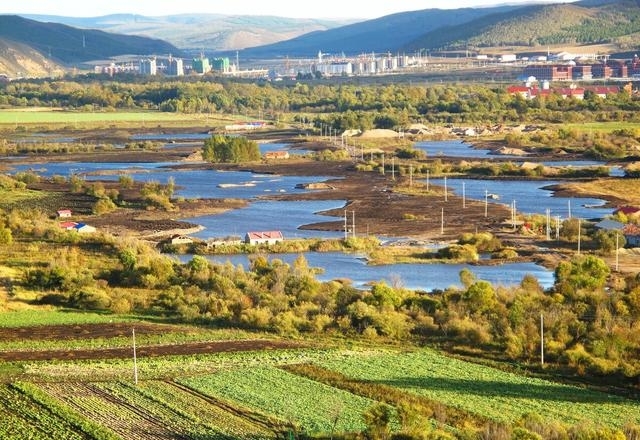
(338, 105)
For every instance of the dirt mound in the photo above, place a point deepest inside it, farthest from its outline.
(379, 133)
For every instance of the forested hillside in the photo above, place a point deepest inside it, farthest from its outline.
(578, 23)
(388, 33)
(68, 45)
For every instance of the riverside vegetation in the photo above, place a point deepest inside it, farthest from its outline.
(361, 352)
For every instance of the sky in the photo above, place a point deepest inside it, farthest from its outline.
(282, 8)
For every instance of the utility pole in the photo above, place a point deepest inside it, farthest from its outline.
(617, 253)
(135, 360)
(445, 189)
(548, 224)
(513, 214)
(353, 223)
(541, 339)
(464, 196)
(486, 202)
(569, 205)
(393, 168)
(345, 225)
(442, 222)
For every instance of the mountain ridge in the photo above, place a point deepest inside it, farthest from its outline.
(68, 45)
(224, 32)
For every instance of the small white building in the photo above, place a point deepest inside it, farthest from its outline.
(181, 239)
(83, 228)
(508, 58)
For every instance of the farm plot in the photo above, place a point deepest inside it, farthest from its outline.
(201, 409)
(111, 411)
(168, 366)
(304, 403)
(484, 391)
(153, 410)
(19, 415)
(98, 335)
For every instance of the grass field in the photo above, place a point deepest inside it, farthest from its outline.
(64, 117)
(604, 126)
(608, 188)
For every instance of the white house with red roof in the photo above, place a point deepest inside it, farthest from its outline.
(64, 213)
(263, 237)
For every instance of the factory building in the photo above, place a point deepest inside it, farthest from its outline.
(148, 66)
(220, 65)
(175, 67)
(200, 65)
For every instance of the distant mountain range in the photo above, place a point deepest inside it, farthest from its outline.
(583, 22)
(195, 32)
(586, 22)
(388, 33)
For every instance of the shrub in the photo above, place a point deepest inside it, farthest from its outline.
(104, 206)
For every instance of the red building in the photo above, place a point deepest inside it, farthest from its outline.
(552, 72)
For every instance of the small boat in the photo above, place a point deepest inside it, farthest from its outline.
(493, 196)
(235, 185)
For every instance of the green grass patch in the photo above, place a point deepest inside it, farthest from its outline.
(27, 318)
(11, 197)
(66, 117)
(604, 126)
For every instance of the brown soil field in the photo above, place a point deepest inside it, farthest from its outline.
(82, 331)
(91, 331)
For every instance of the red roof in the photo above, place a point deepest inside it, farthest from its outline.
(626, 210)
(631, 229)
(265, 235)
(68, 225)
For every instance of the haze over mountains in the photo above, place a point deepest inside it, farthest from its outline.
(211, 32)
(529, 27)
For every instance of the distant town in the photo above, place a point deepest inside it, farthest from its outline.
(561, 66)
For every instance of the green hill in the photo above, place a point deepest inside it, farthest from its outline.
(388, 33)
(67, 45)
(590, 22)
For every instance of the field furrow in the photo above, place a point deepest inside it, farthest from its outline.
(107, 410)
(19, 415)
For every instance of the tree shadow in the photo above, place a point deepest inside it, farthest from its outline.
(498, 388)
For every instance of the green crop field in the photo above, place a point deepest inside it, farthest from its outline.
(304, 402)
(485, 391)
(30, 318)
(247, 395)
